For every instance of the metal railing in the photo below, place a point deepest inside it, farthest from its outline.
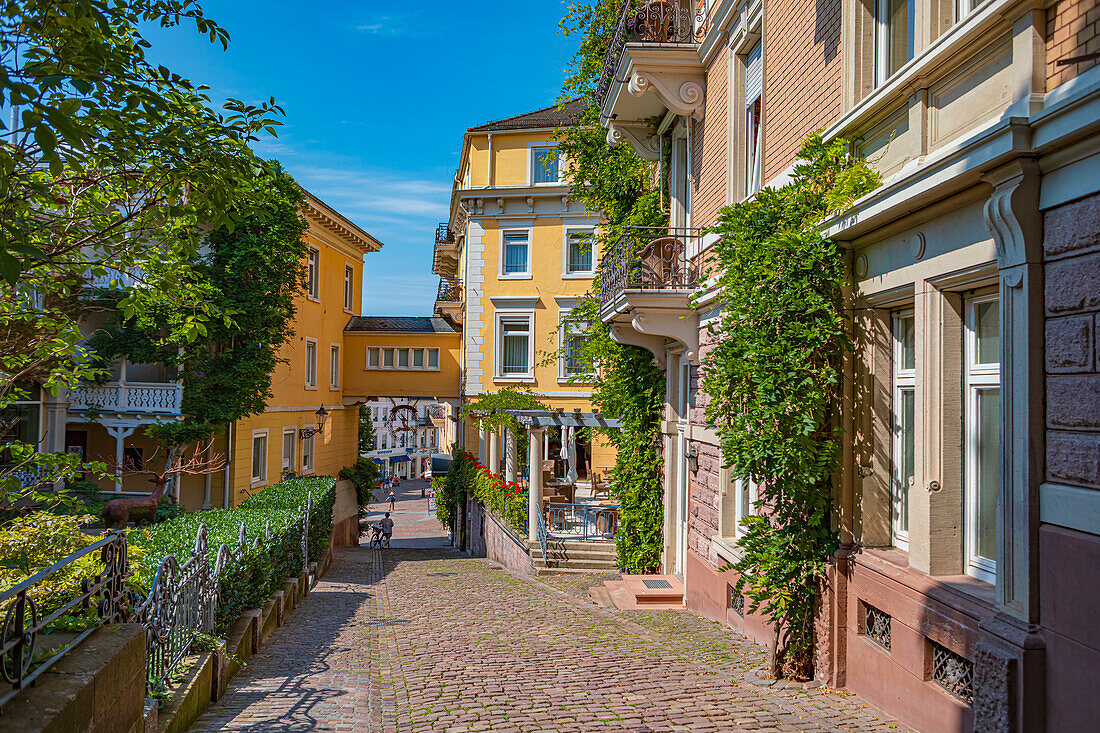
(586, 522)
(450, 291)
(540, 525)
(650, 258)
(155, 397)
(181, 602)
(651, 22)
(444, 235)
(19, 635)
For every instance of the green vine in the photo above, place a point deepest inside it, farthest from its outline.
(774, 381)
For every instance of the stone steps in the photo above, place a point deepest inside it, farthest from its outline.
(566, 555)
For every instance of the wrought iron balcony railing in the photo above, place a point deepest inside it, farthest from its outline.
(651, 22)
(450, 291)
(649, 258)
(444, 235)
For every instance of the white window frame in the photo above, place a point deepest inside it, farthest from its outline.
(503, 316)
(334, 366)
(901, 381)
(393, 357)
(568, 231)
(683, 389)
(680, 177)
(309, 450)
(529, 231)
(564, 330)
(743, 488)
(349, 288)
(978, 377)
(292, 464)
(377, 350)
(531, 148)
(261, 479)
(753, 173)
(882, 40)
(313, 274)
(428, 360)
(311, 364)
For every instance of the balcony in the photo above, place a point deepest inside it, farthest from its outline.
(154, 398)
(448, 299)
(646, 285)
(447, 247)
(652, 66)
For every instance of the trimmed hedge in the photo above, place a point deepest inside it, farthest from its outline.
(262, 571)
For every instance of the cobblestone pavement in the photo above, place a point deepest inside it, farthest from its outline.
(425, 639)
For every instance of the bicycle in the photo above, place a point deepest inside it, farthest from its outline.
(378, 538)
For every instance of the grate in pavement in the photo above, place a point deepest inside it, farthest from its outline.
(657, 584)
(442, 575)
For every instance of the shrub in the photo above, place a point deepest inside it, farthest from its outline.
(505, 500)
(364, 473)
(249, 582)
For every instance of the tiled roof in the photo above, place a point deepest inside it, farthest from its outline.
(414, 324)
(552, 116)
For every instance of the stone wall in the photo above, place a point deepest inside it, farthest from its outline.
(345, 515)
(502, 547)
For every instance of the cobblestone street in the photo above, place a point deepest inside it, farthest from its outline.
(421, 638)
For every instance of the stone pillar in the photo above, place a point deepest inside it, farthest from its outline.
(494, 451)
(534, 483)
(482, 445)
(511, 459)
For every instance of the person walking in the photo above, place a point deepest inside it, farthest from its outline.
(391, 500)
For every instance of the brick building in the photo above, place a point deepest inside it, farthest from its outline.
(968, 501)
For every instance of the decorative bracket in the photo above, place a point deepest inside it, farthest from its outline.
(638, 135)
(655, 344)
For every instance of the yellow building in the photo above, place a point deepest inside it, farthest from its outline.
(107, 421)
(515, 257)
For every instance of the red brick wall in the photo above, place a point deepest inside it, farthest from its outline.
(708, 164)
(1073, 29)
(1071, 247)
(705, 491)
(802, 82)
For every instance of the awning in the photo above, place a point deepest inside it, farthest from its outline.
(379, 461)
(399, 459)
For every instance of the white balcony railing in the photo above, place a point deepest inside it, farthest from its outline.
(151, 397)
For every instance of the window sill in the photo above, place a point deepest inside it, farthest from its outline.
(314, 298)
(514, 277)
(334, 388)
(529, 380)
(311, 388)
(257, 483)
(957, 591)
(726, 548)
(573, 382)
(578, 275)
(349, 311)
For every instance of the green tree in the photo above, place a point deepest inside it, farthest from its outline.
(367, 439)
(111, 170)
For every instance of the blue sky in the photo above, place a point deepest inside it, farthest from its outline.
(377, 97)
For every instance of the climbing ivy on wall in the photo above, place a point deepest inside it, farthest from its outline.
(774, 381)
(627, 385)
(250, 275)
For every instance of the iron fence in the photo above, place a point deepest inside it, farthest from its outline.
(651, 258)
(24, 622)
(182, 601)
(651, 22)
(585, 522)
(450, 291)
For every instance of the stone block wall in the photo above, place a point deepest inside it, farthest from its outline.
(705, 497)
(1072, 298)
(1073, 29)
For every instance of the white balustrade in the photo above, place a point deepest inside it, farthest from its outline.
(153, 397)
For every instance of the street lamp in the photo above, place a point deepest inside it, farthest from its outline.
(322, 415)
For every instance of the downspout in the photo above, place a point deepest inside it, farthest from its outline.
(228, 463)
(489, 163)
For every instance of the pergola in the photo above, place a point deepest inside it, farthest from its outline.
(536, 421)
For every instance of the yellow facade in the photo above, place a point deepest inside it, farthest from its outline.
(364, 384)
(313, 372)
(502, 199)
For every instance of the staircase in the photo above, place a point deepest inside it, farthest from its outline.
(573, 556)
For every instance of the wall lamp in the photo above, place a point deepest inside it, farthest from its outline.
(322, 416)
(692, 457)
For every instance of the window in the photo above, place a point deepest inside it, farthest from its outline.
(544, 165)
(393, 358)
(311, 363)
(259, 457)
(683, 391)
(680, 185)
(745, 493)
(307, 454)
(514, 354)
(313, 274)
(290, 439)
(903, 408)
(983, 435)
(573, 362)
(349, 287)
(895, 25)
(578, 252)
(754, 87)
(516, 250)
(334, 367)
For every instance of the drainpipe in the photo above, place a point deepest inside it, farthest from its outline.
(228, 455)
(489, 177)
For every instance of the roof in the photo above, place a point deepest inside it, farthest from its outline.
(552, 116)
(407, 324)
(338, 224)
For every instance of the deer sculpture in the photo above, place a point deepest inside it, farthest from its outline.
(117, 513)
